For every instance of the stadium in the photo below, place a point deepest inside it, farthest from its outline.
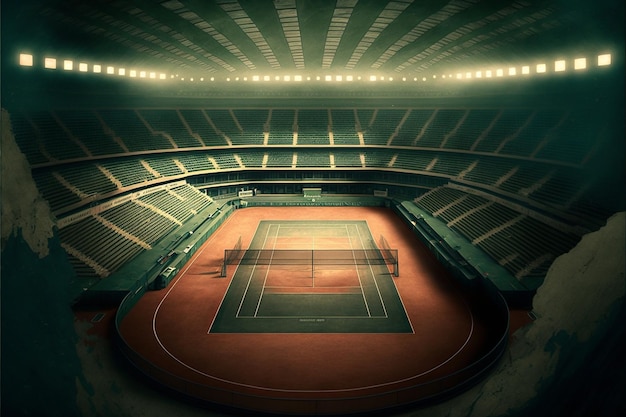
(313, 207)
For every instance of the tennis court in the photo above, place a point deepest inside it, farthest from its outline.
(310, 277)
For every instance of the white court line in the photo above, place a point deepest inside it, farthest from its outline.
(267, 271)
(406, 313)
(243, 297)
(380, 297)
(369, 313)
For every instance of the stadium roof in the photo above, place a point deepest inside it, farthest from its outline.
(233, 37)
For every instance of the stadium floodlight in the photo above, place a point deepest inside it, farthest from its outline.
(287, 78)
(459, 76)
(265, 78)
(604, 60)
(142, 74)
(255, 78)
(83, 67)
(297, 77)
(97, 68)
(349, 78)
(110, 70)
(541, 68)
(68, 65)
(488, 74)
(580, 63)
(50, 63)
(499, 72)
(26, 60)
(512, 71)
(468, 75)
(559, 65)
(525, 70)
(133, 73)
(372, 78)
(121, 71)
(328, 78)
(162, 77)
(479, 74)
(152, 75)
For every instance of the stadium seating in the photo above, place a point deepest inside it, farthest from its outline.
(523, 245)
(536, 157)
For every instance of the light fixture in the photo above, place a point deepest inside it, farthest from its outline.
(580, 63)
(604, 59)
(559, 65)
(50, 63)
(26, 60)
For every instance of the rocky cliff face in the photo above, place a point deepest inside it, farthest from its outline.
(40, 366)
(569, 361)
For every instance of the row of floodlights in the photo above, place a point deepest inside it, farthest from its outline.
(561, 65)
(27, 60)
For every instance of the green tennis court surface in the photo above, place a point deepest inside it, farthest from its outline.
(312, 277)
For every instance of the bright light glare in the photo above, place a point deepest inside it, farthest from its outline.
(459, 76)
(349, 78)
(468, 75)
(512, 71)
(499, 73)
(297, 77)
(541, 68)
(50, 63)
(97, 68)
(525, 69)
(83, 67)
(161, 76)
(559, 65)
(604, 59)
(142, 74)
(372, 78)
(110, 70)
(328, 78)
(488, 73)
(338, 78)
(133, 73)
(287, 78)
(255, 78)
(580, 63)
(26, 60)
(152, 75)
(68, 65)
(479, 74)
(121, 71)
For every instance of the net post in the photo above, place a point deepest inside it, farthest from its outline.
(223, 273)
(396, 267)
